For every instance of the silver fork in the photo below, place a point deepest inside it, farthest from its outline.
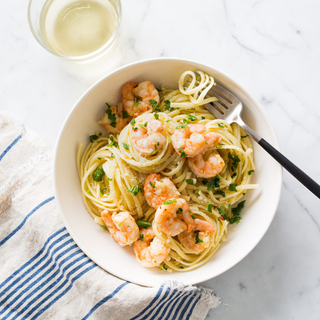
(229, 108)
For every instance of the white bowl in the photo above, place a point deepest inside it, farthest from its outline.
(97, 244)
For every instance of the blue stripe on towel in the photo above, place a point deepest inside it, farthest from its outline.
(184, 299)
(192, 307)
(175, 303)
(33, 258)
(24, 221)
(27, 272)
(150, 304)
(12, 145)
(154, 311)
(170, 303)
(101, 302)
(63, 293)
(44, 277)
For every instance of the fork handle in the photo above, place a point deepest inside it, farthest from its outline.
(292, 168)
(286, 163)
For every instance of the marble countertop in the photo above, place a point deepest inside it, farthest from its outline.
(273, 48)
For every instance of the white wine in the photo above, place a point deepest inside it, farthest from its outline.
(77, 28)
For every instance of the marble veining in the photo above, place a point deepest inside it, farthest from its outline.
(273, 48)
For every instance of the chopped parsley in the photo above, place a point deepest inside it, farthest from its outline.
(221, 125)
(113, 143)
(171, 201)
(192, 216)
(102, 191)
(242, 137)
(192, 118)
(169, 138)
(98, 174)
(183, 154)
(144, 224)
(183, 125)
(88, 191)
(220, 192)
(125, 115)
(204, 181)
(179, 211)
(152, 184)
(250, 172)
(156, 116)
(120, 223)
(125, 146)
(234, 175)
(189, 181)
(154, 105)
(155, 149)
(167, 105)
(165, 267)
(214, 183)
(159, 90)
(181, 267)
(111, 116)
(109, 179)
(141, 238)
(135, 189)
(202, 117)
(136, 102)
(196, 191)
(198, 240)
(235, 161)
(209, 207)
(103, 227)
(232, 187)
(219, 146)
(133, 121)
(235, 213)
(112, 155)
(222, 210)
(94, 137)
(143, 126)
(99, 158)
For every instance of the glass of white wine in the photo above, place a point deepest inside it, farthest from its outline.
(78, 30)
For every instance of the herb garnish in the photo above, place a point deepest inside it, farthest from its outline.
(167, 105)
(235, 213)
(98, 174)
(183, 154)
(113, 143)
(214, 183)
(191, 117)
(209, 207)
(144, 224)
(156, 115)
(171, 201)
(242, 137)
(136, 102)
(102, 191)
(125, 115)
(198, 240)
(165, 267)
(169, 138)
(220, 192)
(111, 116)
(189, 181)
(155, 149)
(125, 146)
(95, 137)
(103, 227)
(133, 121)
(181, 126)
(179, 211)
(232, 187)
(234, 175)
(221, 125)
(141, 238)
(250, 172)
(135, 189)
(152, 184)
(235, 159)
(154, 105)
(196, 191)
(112, 155)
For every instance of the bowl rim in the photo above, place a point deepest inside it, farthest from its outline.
(251, 96)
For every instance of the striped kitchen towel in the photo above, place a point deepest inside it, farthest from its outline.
(43, 273)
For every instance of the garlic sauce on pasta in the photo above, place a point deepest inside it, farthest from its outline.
(112, 171)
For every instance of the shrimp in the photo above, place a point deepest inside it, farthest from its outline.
(157, 190)
(136, 98)
(113, 119)
(169, 217)
(206, 168)
(122, 227)
(199, 238)
(148, 140)
(192, 141)
(149, 250)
